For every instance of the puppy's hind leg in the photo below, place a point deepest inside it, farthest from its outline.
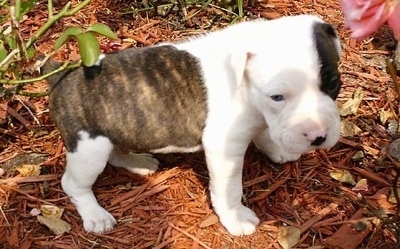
(141, 164)
(83, 167)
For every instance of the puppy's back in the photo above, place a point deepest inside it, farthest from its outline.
(141, 98)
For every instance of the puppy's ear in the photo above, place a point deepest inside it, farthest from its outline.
(326, 38)
(238, 63)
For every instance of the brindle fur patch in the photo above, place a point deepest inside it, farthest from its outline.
(143, 99)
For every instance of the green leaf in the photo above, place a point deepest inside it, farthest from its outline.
(12, 43)
(4, 18)
(26, 6)
(89, 48)
(30, 52)
(3, 53)
(103, 30)
(66, 35)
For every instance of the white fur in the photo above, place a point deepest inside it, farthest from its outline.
(260, 59)
(100, 59)
(243, 65)
(141, 164)
(82, 170)
(175, 149)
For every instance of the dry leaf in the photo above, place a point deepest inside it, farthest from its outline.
(348, 129)
(359, 155)
(12, 238)
(362, 185)
(342, 176)
(393, 127)
(288, 236)
(351, 105)
(211, 220)
(28, 170)
(35, 212)
(360, 226)
(394, 149)
(51, 211)
(52, 219)
(56, 225)
(392, 197)
(384, 116)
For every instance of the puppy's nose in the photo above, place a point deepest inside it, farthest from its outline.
(318, 141)
(316, 138)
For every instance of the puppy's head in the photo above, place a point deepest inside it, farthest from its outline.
(293, 80)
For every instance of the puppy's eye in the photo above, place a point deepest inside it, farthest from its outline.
(277, 97)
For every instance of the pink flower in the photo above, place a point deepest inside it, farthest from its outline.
(364, 17)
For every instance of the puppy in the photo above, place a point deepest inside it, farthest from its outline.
(271, 82)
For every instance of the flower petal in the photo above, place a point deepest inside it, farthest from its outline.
(394, 21)
(364, 17)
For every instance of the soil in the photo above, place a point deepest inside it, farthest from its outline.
(171, 208)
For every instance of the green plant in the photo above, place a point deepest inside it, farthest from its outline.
(160, 7)
(89, 46)
(14, 50)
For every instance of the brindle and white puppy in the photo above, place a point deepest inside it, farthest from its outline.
(273, 82)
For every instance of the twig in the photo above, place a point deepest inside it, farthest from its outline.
(4, 216)
(29, 110)
(15, 24)
(396, 216)
(318, 216)
(8, 58)
(189, 235)
(272, 188)
(28, 179)
(9, 133)
(392, 71)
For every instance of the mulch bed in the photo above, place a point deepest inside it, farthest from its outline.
(171, 208)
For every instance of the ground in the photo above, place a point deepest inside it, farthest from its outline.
(171, 209)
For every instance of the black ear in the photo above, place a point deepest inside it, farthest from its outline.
(326, 42)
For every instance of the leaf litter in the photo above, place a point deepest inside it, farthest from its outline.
(171, 209)
(51, 218)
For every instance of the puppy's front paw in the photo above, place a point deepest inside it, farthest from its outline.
(96, 219)
(239, 221)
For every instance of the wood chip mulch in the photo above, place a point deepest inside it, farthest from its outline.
(171, 209)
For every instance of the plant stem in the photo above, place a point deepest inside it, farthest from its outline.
(392, 71)
(3, 2)
(66, 65)
(9, 56)
(54, 18)
(77, 8)
(240, 7)
(32, 95)
(17, 12)
(50, 9)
